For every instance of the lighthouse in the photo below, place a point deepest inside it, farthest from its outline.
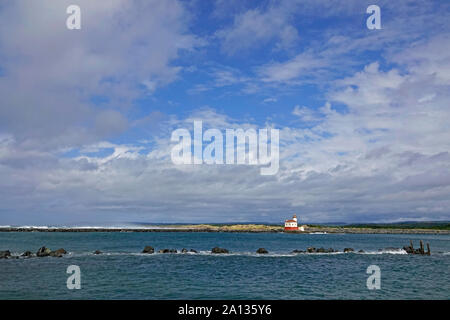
(292, 225)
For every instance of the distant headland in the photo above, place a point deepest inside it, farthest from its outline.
(396, 228)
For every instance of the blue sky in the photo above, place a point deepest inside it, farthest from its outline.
(86, 115)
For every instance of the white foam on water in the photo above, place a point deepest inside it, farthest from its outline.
(391, 251)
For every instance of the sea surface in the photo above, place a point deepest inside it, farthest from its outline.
(123, 272)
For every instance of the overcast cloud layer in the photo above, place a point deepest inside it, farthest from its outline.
(86, 115)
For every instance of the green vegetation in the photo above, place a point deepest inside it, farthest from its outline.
(403, 225)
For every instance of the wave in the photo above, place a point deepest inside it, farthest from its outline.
(234, 254)
(244, 253)
(386, 251)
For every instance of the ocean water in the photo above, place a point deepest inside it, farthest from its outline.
(122, 272)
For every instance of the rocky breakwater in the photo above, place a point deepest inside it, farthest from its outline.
(168, 251)
(151, 250)
(46, 252)
(5, 254)
(148, 250)
(321, 250)
(218, 250)
(42, 252)
(421, 250)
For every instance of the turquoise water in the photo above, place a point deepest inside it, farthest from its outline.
(123, 273)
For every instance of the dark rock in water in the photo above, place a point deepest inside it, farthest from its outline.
(27, 254)
(262, 251)
(184, 250)
(311, 250)
(5, 254)
(167, 251)
(55, 254)
(99, 252)
(408, 249)
(361, 251)
(193, 251)
(58, 253)
(348, 250)
(323, 250)
(43, 252)
(219, 250)
(148, 249)
(298, 251)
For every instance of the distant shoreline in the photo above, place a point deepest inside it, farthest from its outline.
(232, 229)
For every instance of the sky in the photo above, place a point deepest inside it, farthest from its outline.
(86, 116)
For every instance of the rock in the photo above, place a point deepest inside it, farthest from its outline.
(167, 251)
(361, 251)
(184, 250)
(298, 251)
(148, 249)
(5, 254)
(330, 250)
(262, 251)
(99, 252)
(321, 250)
(43, 252)
(193, 251)
(55, 254)
(348, 250)
(27, 254)
(58, 253)
(311, 250)
(408, 249)
(219, 250)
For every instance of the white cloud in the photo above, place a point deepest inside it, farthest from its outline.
(257, 27)
(302, 66)
(268, 100)
(50, 73)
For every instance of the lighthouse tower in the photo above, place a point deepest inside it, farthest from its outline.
(291, 225)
